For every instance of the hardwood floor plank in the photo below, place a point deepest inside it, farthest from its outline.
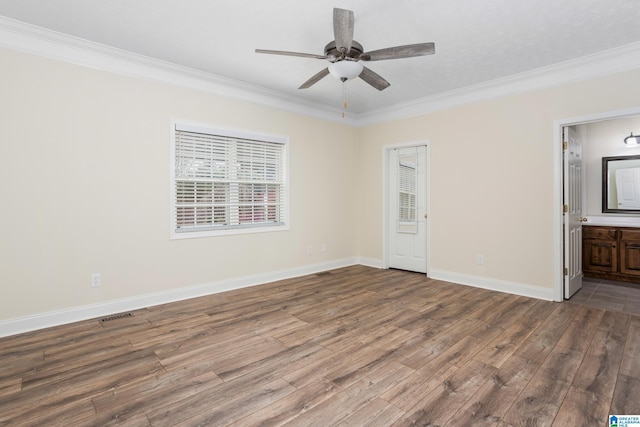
(314, 333)
(562, 364)
(215, 351)
(538, 404)
(220, 399)
(510, 309)
(540, 401)
(407, 393)
(286, 359)
(75, 413)
(46, 338)
(583, 408)
(162, 332)
(19, 362)
(630, 365)
(59, 390)
(442, 403)
(226, 411)
(352, 399)
(102, 347)
(10, 386)
(599, 370)
(581, 330)
(315, 368)
(458, 353)
(356, 369)
(625, 399)
(136, 420)
(123, 402)
(233, 363)
(291, 406)
(495, 397)
(376, 412)
(386, 337)
(540, 343)
(501, 348)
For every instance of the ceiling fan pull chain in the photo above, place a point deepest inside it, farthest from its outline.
(345, 104)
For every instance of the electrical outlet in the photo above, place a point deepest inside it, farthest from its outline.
(480, 259)
(309, 250)
(95, 280)
(323, 248)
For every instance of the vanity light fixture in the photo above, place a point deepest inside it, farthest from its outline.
(632, 141)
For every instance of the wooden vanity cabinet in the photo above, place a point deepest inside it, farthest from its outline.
(611, 253)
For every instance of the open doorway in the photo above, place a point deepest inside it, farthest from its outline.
(602, 135)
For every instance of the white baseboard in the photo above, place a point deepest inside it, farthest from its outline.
(494, 284)
(370, 262)
(86, 312)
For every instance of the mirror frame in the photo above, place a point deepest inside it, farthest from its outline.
(605, 185)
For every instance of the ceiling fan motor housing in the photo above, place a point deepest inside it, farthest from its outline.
(333, 54)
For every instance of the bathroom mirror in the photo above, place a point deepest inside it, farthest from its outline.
(621, 184)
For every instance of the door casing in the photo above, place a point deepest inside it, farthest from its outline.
(386, 194)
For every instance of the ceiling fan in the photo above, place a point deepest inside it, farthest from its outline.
(345, 54)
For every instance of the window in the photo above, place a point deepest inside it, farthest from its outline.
(226, 182)
(407, 192)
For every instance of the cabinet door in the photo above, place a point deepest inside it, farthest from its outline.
(630, 251)
(601, 256)
(630, 258)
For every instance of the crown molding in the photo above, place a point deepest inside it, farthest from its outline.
(611, 61)
(39, 41)
(23, 37)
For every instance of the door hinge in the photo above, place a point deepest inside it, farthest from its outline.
(565, 145)
(566, 271)
(565, 208)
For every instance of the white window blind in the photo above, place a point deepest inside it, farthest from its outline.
(407, 192)
(224, 182)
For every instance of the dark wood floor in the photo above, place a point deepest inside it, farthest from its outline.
(353, 347)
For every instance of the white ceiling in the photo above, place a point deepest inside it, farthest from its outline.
(476, 41)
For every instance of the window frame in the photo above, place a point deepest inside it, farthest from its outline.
(184, 125)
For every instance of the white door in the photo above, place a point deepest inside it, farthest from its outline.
(628, 188)
(574, 212)
(407, 214)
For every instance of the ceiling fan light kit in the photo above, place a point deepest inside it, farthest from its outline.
(345, 54)
(345, 70)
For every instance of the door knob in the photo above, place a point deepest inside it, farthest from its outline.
(583, 219)
(425, 216)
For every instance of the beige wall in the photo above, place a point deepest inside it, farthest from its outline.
(85, 189)
(492, 185)
(85, 185)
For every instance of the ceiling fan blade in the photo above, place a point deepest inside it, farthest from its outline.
(286, 53)
(315, 79)
(407, 51)
(374, 79)
(343, 29)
